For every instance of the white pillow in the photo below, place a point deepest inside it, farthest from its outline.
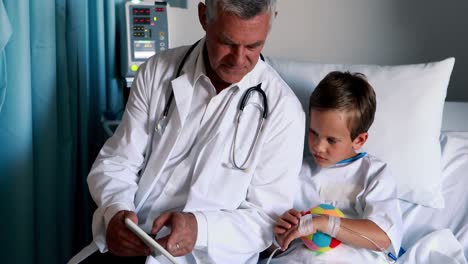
(406, 129)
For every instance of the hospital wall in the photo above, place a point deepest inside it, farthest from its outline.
(359, 31)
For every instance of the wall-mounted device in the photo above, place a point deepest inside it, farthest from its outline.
(147, 33)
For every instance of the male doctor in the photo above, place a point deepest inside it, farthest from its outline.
(178, 179)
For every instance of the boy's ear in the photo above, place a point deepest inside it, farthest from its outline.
(359, 141)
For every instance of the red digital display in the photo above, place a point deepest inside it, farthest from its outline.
(141, 11)
(141, 20)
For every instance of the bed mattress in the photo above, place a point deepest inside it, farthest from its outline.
(419, 220)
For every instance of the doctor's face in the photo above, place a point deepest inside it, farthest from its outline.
(329, 137)
(233, 44)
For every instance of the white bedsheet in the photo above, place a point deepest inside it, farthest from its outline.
(438, 247)
(420, 221)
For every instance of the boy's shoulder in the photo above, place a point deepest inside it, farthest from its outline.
(372, 169)
(373, 160)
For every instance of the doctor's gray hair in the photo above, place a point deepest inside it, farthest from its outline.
(245, 9)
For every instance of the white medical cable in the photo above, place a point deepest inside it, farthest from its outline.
(306, 226)
(272, 254)
(388, 255)
(274, 251)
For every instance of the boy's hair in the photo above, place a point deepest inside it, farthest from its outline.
(350, 92)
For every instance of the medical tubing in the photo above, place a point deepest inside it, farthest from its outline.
(274, 251)
(383, 250)
(272, 254)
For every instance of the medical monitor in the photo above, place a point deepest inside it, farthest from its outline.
(147, 33)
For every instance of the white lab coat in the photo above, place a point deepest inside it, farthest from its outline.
(237, 207)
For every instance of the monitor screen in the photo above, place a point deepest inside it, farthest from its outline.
(143, 49)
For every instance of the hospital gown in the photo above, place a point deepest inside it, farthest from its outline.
(363, 189)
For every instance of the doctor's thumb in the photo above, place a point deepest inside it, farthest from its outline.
(132, 216)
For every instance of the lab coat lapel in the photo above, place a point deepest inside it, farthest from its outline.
(183, 92)
(223, 120)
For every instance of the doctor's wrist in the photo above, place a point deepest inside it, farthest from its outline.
(112, 210)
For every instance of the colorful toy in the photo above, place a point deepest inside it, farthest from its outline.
(321, 242)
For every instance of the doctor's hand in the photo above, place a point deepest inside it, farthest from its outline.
(120, 240)
(285, 228)
(184, 231)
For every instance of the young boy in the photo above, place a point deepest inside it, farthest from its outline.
(342, 109)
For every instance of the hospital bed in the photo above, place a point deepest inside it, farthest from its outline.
(431, 235)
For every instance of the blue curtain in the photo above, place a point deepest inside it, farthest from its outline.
(58, 75)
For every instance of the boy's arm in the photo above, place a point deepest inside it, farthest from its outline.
(360, 233)
(355, 231)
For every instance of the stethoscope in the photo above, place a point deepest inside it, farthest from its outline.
(162, 122)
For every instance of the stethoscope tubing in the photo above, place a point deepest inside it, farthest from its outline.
(160, 126)
(244, 99)
(179, 71)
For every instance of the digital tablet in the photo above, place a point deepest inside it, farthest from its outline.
(156, 249)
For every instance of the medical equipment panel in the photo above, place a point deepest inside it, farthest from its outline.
(147, 33)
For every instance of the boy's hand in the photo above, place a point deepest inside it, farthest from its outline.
(286, 221)
(286, 227)
(311, 226)
(285, 239)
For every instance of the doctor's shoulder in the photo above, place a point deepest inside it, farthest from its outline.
(163, 61)
(158, 70)
(280, 95)
(273, 79)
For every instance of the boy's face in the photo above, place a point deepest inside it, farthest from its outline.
(330, 138)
